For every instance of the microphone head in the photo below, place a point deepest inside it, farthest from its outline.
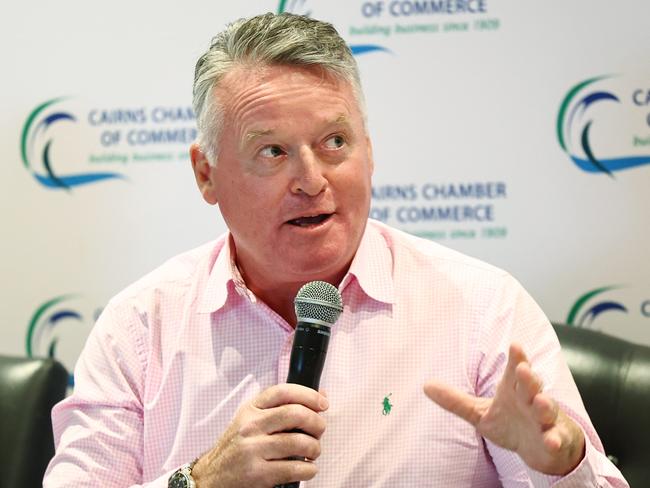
(318, 302)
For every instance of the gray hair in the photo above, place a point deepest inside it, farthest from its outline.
(264, 40)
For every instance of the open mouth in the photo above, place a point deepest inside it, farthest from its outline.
(309, 221)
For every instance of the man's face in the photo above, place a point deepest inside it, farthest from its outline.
(292, 178)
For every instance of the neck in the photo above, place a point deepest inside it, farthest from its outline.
(279, 296)
(280, 300)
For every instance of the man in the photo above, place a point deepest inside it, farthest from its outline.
(188, 363)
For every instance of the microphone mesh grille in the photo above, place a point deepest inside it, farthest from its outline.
(330, 303)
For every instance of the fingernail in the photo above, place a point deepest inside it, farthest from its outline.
(323, 403)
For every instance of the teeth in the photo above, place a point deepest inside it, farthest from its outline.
(307, 221)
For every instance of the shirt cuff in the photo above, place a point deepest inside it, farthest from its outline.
(582, 476)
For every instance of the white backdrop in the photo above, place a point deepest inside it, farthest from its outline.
(480, 139)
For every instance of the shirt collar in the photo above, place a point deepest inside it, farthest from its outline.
(372, 265)
(224, 278)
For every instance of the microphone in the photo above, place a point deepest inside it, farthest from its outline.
(318, 306)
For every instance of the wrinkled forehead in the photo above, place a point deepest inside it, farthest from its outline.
(252, 75)
(246, 88)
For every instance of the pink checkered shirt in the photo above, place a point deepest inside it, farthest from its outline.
(173, 357)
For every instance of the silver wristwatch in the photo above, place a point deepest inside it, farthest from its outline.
(182, 477)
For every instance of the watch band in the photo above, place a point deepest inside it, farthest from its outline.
(182, 477)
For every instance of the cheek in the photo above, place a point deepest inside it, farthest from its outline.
(362, 200)
(253, 205)
(357, 186)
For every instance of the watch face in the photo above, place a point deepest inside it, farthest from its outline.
(178, 480)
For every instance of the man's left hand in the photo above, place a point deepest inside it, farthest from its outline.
(520, 418)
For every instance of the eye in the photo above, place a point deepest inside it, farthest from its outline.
(271, 152)
(335, 141)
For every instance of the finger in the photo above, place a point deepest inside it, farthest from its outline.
(291, 417)
(291, 393)
(567, 438)
(455, 401)
(527, 383)
(516, 355)
(552, 441)
(545, 411)
(285, 471)
(285, 445)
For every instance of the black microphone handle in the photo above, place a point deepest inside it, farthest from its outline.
(308, 354)
(306, 363)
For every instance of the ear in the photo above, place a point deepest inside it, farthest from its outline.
(370, 158)
(204, 174)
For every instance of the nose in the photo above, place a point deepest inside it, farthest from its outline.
(309, 177)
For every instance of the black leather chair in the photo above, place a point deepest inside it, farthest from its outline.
(613, 376)
(29, 388)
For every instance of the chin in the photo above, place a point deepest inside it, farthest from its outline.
(329, 267)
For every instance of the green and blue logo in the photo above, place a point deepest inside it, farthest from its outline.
(619, 310)
(591, 305)
(67, 142)
(58, 329)
(583, 109)
(301, 7)
(298, 7)
(37, 147)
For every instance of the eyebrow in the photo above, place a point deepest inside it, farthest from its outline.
(252, 135)
(342, 119)
(256, 133)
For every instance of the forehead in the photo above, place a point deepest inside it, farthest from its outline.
(250, 94)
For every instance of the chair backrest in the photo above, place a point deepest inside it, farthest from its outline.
(29, 388)
(613, 376)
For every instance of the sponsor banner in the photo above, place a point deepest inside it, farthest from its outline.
(371, 26)
(603, 124)
(58, 328)
(443, 211)
(68, 142)
(494, 131)
(620, 310)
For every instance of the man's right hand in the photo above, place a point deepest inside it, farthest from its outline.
(254, 450)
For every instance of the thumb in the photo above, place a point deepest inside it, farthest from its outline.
(465, 406)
